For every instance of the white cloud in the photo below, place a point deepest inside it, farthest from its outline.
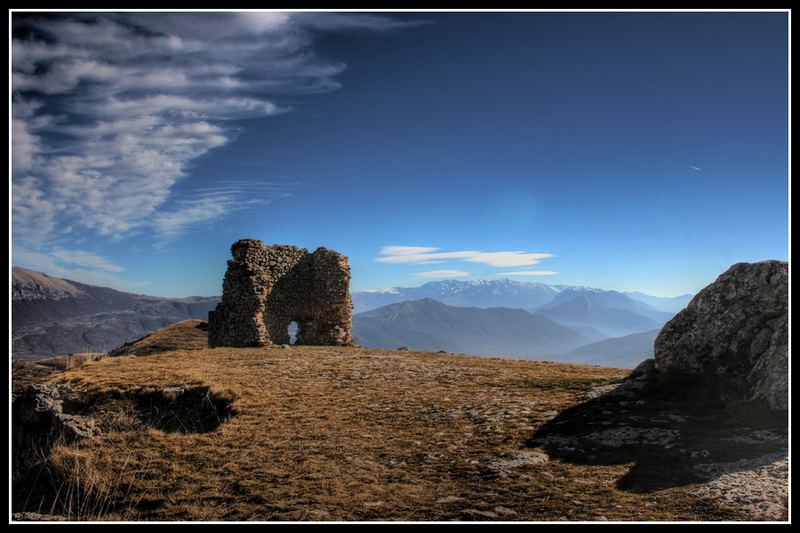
(442, 274)
(85, 259)
(386, 290)
(53, 266)
(406, 250)
(207, 206)
(32, 214)
(426, 255)
(355, 21)
(508, 259)
(261, 21)
(109, 110)
(25, 143)
(529, 273)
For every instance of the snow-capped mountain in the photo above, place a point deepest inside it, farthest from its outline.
(474, 293)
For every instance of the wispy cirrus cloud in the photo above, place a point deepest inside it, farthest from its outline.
(110, 109)
(421, 255)
(76, 265)
(205, 206)
(85, 259)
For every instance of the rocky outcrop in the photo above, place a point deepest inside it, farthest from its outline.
(734, 333)
(266, 288)
(47, 414)
(39, 422)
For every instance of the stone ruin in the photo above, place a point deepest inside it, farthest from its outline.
(266, 288)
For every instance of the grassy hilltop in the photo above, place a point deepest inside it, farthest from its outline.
(324, 433)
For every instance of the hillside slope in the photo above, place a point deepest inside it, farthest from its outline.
(667, 304)
(52, 316)
(620, 352)
(610, 312)
(183, 335)
(324, 433)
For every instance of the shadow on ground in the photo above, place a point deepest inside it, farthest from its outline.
(673, 433)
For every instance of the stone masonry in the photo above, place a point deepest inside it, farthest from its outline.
(266, 288)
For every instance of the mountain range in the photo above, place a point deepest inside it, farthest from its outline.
(611, 313)
(498, 293)
(485, 317)
(429, 325)
(475, 293)
(619, 352)
(616, 328)
(54, 316)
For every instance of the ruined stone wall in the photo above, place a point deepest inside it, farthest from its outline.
(268, 287)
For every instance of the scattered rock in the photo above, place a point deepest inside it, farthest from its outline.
(525, 458)
(562, 442)
(757, 437)
(700, 453)
(479, 513)
(735, 333)
(36, 517)
(601, 390)
(758, 486)
(450, 499)
(374, 504)
(645, 370)
(627, 435)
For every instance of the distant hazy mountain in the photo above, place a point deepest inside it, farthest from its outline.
(430, 325)
(612, 313)
(499, 293)
(52, 316)
(476, 293)
(620, 352)
(670, 305)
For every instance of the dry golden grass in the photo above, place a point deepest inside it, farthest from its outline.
(65, 362)
(327, 433)
(185, 335)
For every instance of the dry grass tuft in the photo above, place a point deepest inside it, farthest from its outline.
(74, 360)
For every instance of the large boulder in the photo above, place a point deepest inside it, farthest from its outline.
(734, 332)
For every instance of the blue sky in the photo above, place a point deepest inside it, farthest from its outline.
(628, 151)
